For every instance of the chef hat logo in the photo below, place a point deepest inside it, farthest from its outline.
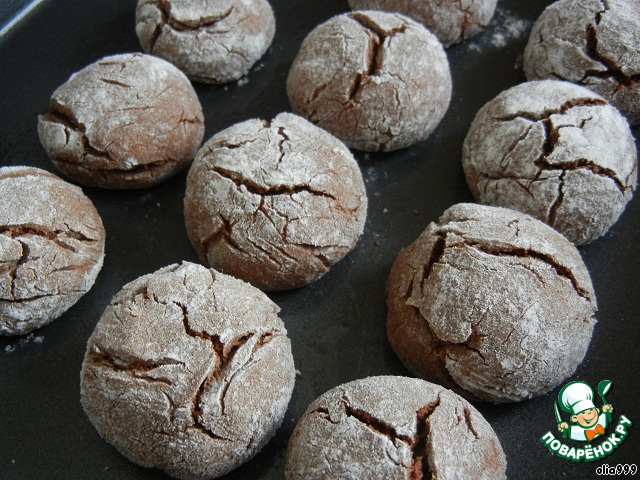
(576, 397)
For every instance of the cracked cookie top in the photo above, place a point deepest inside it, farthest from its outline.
(210, 41)
(125, 121)
(394, 428)
(492, 303)
(376, 80)
(51, 248)
(452, 21)
(545, 148)
(188, 370)
(274, 203)
(593, 43)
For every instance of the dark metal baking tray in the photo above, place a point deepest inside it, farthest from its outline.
(336, 325)
(12, 11)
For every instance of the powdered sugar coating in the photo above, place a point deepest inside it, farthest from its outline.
(125, 121)
(274, 203)
(393, 428)
(593, 43)
(544, 148)
(452, 21)
(376, 80)
(492, 303)
(51, 248)
(211, 41)
(188, 370)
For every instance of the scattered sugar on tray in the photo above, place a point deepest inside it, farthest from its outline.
(510, 27)
(516, 27)
(519, 61)
(372, 175)
(498, 40)
(505, 27)
(26, 340)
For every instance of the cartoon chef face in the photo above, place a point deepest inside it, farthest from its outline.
(587, 418)
(588, 421)
(576, 398)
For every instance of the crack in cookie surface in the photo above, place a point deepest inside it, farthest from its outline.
(611, 68)
(552, 157)
(227, 361)
(138, 367)
(222, 371)
(256, 188)
(374, 424)
(418, 442)
(23, 234)
(62, 115)
(167, 19)
(454, 341)
(421, 467)
(275, 203)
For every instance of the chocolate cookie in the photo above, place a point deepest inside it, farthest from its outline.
(51, 248)
(393, 428)
(593, 43)
(545, 148)
(188, 370)
(452, 21)
(274, 203)
(491, 303)
(212, 42)
(126, 121)
(376, 80)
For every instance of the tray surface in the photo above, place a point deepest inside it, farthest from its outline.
(336, 325)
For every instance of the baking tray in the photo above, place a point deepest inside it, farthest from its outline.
(336, 325)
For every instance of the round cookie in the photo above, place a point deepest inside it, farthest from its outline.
(544, 148)
(274, 203)
(188, 370)
(393, 428)
(51, 248)
(593, 43)
(376, 80)
(126, 121)
(452, 21)
(491, 303)
(212, 42)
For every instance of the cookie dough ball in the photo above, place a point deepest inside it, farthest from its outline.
(274, 203)
(126, 121)
(396, 428)
(376, 80)
(452, 21)
(51, 248)
(491, 303)
(188, 370)
(545, 148)
(211, 41)
(593, 43)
